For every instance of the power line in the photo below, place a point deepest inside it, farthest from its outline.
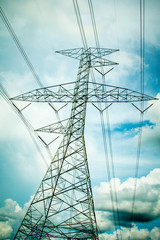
(102, 118)
(84, 41)
(107, 162)
(19, 46)
(30, 129)
(80, 23)
(23, 53)
(93, 23)
(4, 92)
(142, 41)
(31, 68)
(142, 49)
(113, 171)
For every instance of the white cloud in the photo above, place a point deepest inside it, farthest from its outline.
(151, 137)
(5, 230)
(104, 222)
(151, 134)
(10, 217)
(153, 113)
(136, 234)
(147, 202)
(147, 207)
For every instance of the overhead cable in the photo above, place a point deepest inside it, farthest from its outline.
(112, 195)
(84, 41)
(80, 23)
(29, 64)
(20, 47)
(142, 51)
(30, 129)
(93, 23)
(22, 51)
(108, 124)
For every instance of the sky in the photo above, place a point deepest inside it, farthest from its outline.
(42, 28)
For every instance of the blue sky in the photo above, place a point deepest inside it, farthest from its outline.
(44, 27)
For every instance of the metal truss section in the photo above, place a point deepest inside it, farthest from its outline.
(101, 62)
(113, 94)
(63, 206)
(59, 128)
(58, 93)
(78, 53)
(96, 55)
(96, 93)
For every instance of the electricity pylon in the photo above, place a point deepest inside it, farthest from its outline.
(63, 206)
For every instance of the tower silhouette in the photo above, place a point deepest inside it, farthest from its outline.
(63, 206)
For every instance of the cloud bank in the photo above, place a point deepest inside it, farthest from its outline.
(147, 202)
(135, 234)
(146, 208)
(11, 216)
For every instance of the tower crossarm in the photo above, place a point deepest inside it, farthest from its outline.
(78, 52)
(113, 94)
(57, 127)
(57, 93)
(96, 55)
(96, 93)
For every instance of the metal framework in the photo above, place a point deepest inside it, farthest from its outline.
(63, 206)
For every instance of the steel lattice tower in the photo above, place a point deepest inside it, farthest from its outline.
(63, 206)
